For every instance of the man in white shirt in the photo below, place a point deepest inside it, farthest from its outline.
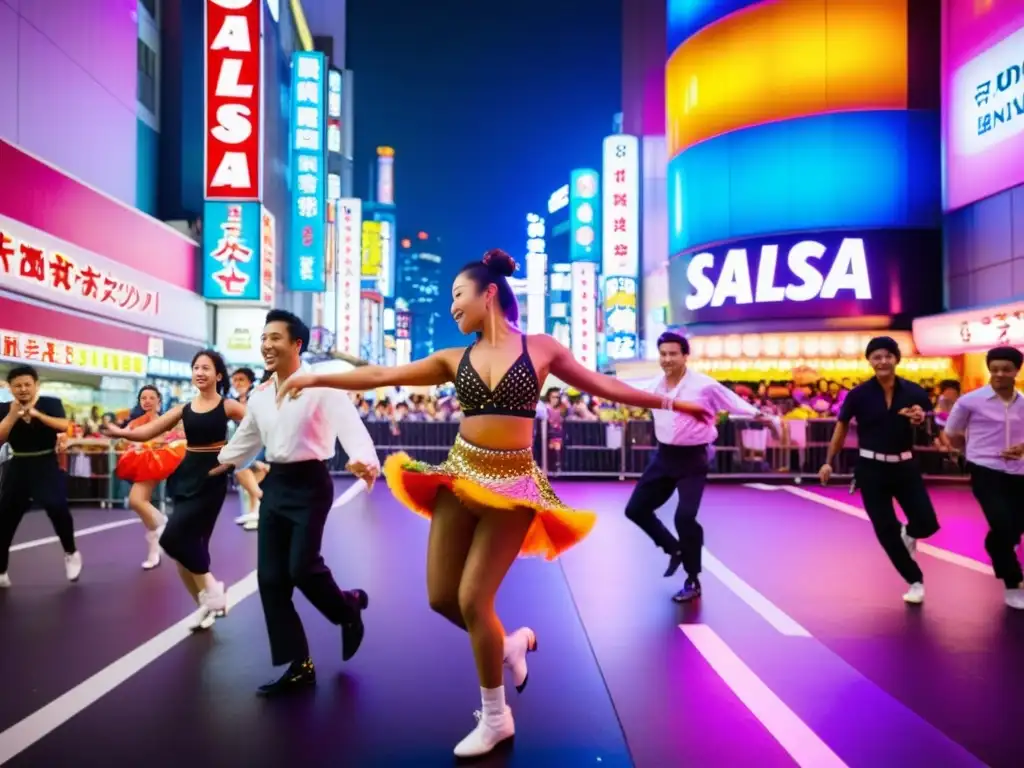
(989, 423)
(680, 462)
(299, 438)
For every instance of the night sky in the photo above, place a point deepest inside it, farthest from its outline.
(488, 105)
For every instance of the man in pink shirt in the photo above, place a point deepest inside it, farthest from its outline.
(988, 425)
(680, 462)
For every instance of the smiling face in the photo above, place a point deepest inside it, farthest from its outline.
(469, 304)
(149, 400)
(204, 374)
(1002, 375)
(278, 347)
(883, 362)
(24, 389)
(671, 358)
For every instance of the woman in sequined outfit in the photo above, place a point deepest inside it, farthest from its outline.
(488, 503)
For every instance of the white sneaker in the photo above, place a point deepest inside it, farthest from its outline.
(247, 518)
(914, 595)
(517, 646)
(490, 731)
(251, 525)
(203, 618)
(908, 542)
(1014, 598)
(153, 553)
(5, 581)
(73, 566)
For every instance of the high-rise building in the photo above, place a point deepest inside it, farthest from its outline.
(418, 285)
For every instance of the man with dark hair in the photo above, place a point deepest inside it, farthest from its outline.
(887, 408)
(299, 438)
(989, 424)
(30, 425)
(680, 462)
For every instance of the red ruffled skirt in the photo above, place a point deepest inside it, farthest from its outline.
(497, 480)
(146, 463)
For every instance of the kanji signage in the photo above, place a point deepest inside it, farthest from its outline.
(973, 330)
(350, 254)
(306, 257)
(584, 313)
(234, 258)
(620, 207)
(40, 350)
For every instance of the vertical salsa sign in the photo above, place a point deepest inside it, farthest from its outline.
(233, 119)
(306, 257)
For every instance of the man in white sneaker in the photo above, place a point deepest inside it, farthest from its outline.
(988, 425)
(30, 425)
(887, 408)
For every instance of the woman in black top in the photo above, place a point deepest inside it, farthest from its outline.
(198, 496)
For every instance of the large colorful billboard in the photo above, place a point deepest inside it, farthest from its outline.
(983, 98)
(819, 127)
(306, 258)
(620, 206)
(585, 216)
(808, 276)
(233, 116)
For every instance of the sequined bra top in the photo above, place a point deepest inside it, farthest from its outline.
(515, 395)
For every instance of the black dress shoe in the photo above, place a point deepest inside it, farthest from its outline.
(352, 631)
(299, 676)
(674, 561)
(690, 592)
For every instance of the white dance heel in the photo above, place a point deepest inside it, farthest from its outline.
(518, 646)
(212, 604)
(153, 554)
(73, 566)
(491, 730)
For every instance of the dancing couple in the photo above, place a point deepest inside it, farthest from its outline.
(488, 503)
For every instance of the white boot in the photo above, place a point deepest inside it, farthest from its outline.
(153, 553)
(73, 566)
(5, 581)
(517, 646)
(494, 725)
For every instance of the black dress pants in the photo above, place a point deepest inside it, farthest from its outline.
(1001, 497)
(39, 479)
(880, 483)
(683, 469)
(296, 501)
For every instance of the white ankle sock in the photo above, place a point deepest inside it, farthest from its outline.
(493, 701)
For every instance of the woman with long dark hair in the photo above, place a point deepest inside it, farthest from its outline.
(145, 466)
(198, 496)
(489, 502)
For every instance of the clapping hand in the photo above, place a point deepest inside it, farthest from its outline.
(294, 385)
(366, 472)
(915, 413)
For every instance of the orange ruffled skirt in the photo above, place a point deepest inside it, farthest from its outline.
(145, 463)
(497, 480)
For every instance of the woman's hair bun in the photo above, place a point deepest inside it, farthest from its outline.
(500, 262)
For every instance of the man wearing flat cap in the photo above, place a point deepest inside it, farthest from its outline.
(887, 408)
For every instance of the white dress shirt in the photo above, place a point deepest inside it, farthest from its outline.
(682, 429)
(990, 425)
(302, 429)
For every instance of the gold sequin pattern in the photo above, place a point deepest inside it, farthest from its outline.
(513, 474)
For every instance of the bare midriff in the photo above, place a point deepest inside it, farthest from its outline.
(499, 433)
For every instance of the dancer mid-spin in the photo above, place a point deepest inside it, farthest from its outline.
(488, 502)
(198, 496)
(145, 466)
(681, 460)
(30, 425)
(989, 424)
(297, 496)
(887, 408)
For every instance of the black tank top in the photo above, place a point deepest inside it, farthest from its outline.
(515, 395)
(203, 429)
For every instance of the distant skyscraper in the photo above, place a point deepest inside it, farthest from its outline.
(418, 285)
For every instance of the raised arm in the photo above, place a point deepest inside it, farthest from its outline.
(245, 444)
(150, 431)
(564, 366)
(431, 371)
(724, 399)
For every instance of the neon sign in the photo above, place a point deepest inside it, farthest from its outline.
(848, 272)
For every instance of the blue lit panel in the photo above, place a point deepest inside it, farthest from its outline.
(844, 170)
(687, 17)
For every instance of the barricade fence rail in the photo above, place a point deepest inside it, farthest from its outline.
(745, 450)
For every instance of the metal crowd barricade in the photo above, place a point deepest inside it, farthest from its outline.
(92, 478)
(746, 449)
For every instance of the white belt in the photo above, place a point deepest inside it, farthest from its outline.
(888, 458)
